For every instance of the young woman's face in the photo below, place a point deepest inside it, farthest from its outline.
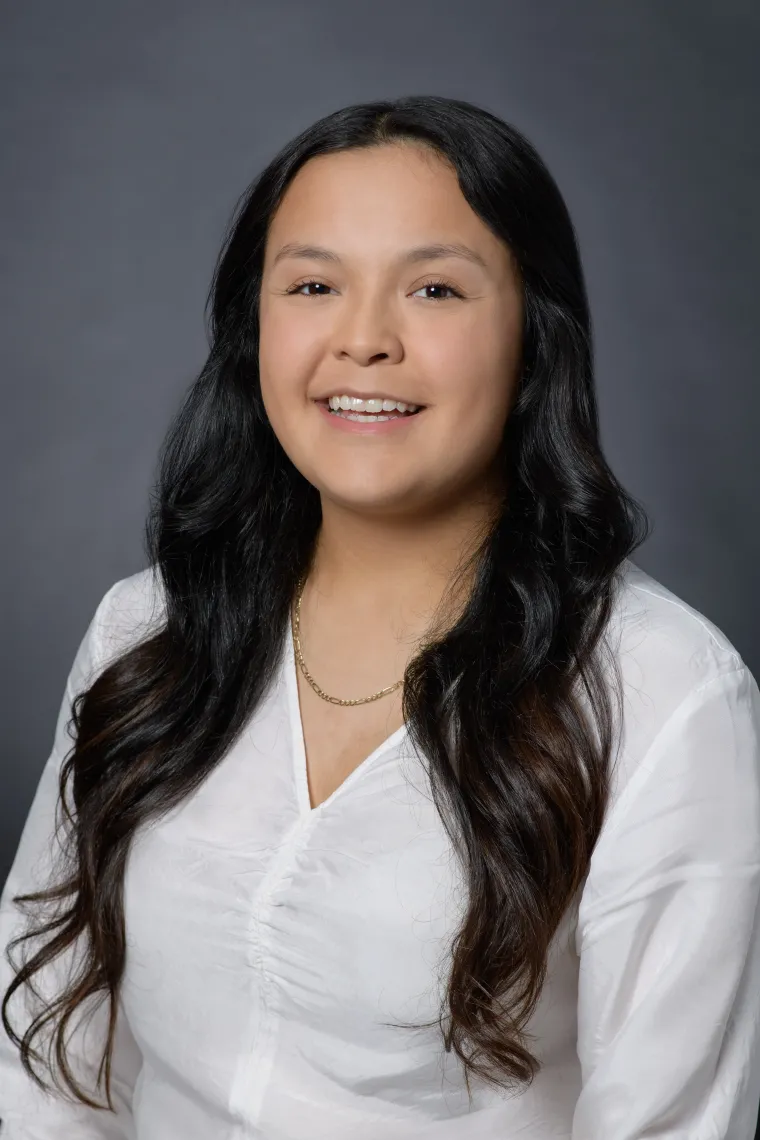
(356, 302)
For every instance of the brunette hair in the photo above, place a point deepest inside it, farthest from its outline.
(511, 707)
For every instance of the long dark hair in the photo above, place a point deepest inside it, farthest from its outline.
(522, 781)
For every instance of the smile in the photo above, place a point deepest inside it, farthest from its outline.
(374, 409)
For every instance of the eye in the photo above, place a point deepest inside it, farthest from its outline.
(437, 283)
(440, 284)
(294, 289)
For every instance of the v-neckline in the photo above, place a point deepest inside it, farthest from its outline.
(298, 741)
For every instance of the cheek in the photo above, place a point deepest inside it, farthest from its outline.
(287, 352)
(474, 375)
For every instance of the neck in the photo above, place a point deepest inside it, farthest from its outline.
(397, 567)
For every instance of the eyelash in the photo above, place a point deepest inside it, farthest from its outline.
(438, 282)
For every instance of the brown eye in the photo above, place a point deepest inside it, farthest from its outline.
(439, 286)
(304, 284)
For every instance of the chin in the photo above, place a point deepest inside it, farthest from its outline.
(373, 500)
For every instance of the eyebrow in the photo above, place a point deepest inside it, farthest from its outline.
(410, 256)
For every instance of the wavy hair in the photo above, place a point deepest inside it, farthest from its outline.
(511, 707)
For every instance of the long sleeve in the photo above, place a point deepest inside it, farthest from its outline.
(669, 936)
(28, 1113)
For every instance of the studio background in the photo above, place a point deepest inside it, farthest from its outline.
(130, 130)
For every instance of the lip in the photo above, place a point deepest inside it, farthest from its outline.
(400, 423)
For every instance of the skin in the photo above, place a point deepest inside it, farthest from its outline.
(400, 508)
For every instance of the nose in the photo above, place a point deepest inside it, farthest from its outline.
(365, 333)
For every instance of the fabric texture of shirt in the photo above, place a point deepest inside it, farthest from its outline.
(271, 945)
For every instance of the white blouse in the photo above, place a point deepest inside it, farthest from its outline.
(271, 944)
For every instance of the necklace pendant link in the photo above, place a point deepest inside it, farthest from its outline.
(302, 664)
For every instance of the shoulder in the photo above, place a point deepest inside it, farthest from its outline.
(670, 655)
(685, 791)
(131, 610)
(662, 641)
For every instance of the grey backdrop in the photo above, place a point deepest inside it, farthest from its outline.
(129, 130)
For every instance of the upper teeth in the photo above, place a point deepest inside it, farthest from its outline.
(354, 404)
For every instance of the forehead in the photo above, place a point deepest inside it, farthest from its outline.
(379, 197)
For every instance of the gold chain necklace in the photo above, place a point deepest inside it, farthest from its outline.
(299, 657)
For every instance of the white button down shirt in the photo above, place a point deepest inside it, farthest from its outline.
(270, 945)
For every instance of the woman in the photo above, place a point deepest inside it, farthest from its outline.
(402, 802)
